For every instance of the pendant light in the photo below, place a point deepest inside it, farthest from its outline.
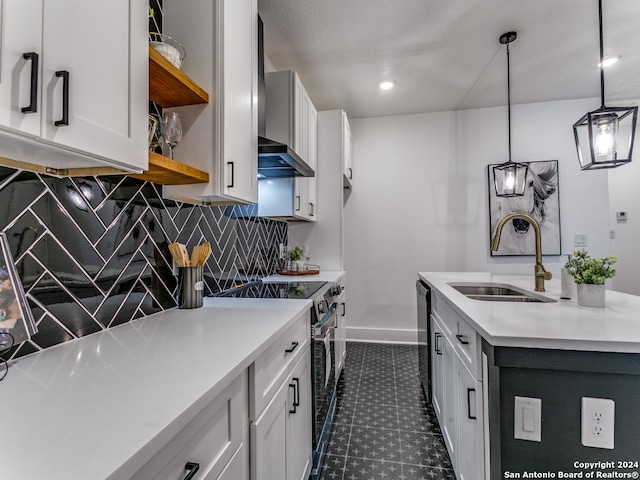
(509, 177)
(604, 137)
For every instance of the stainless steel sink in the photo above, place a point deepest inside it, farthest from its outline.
(498, 292)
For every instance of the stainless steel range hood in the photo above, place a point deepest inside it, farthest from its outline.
(275, 159)
(278, 160)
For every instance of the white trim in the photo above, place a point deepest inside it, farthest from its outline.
(381, 335)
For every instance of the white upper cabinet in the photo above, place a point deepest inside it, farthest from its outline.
(347, 152)
(221, 137)
(74, 83)
(291, 119)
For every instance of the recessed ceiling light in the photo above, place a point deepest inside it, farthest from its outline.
(608, 61)
(387, 85)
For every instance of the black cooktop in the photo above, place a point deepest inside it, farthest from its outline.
(300, 290)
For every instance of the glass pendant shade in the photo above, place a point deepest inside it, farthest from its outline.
(509, 179)
(604, 137)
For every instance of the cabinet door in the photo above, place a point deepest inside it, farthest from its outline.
(21, 31)
(470, 461)
(299, 421)
(238, 114)
(104, 51)
(268, 439)
(347, 148)
(443, 375)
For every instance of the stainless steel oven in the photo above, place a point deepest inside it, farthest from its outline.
(323, 354)
(323, 363)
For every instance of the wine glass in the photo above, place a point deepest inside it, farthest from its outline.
(306, 253)
(171, 130)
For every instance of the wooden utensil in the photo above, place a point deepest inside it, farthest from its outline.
(205, 252)
(195, 256)
(174, 249)
(184, 254)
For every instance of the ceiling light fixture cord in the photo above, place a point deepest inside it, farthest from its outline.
(509, 101)
(601, 54)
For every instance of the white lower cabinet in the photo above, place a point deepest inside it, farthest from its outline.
(214, 440)
(281, 436)
(458, 390)
(469, 463)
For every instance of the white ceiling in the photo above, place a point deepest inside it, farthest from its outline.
(445, 55)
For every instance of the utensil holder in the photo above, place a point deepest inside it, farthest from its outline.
(190, 287)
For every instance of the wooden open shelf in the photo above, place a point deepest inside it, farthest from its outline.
(169, 86)
(164, 171)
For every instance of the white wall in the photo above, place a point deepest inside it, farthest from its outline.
(624, 195)
(420, 203)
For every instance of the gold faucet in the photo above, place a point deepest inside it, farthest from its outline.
(540, 273)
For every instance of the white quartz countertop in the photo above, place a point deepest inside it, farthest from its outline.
(328, 276)
(560, 325)
(99, 407)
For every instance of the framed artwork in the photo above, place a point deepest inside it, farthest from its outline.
(540, 201)
(16, 320)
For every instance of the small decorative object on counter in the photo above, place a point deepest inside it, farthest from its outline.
(190, 287)
(590, 274)
(295, 255)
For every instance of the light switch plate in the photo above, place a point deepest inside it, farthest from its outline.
(598, 419)
(527, 422)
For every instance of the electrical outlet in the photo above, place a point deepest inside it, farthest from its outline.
(598, 420)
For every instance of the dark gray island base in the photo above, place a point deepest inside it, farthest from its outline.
(560, 378)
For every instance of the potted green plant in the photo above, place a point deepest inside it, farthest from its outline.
(590, 274)
(295, 255)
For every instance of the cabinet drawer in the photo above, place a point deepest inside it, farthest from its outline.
(269, 370)
(210, 439)
(464, 338)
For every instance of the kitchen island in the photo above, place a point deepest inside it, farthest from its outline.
(103, 406)
(516, 374)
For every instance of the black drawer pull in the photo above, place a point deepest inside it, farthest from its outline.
(471, 417)
(191, 469)
(460, 339)
(33, 95)
(64, 121)
(344, 309)
(293, 346)
(436, 344)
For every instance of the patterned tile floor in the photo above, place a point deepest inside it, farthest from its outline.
(384, 428)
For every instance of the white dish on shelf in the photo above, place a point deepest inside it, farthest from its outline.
(168, 48)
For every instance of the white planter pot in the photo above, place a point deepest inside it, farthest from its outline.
(590, 295)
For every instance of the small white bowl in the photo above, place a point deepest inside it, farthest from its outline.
(168, 48)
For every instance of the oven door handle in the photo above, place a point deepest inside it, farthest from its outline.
(321, 329)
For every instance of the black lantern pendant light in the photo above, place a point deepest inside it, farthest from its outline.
(604, 137)
(509, 178)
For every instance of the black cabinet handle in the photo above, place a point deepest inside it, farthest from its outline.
(460, 339)
(33, 95)
(191, 468)
(350, 173)
(296, 394)
(232, 175)
(293, 346)
(435, 346)
(471, 417)
(64, 121)
(312, 209)
(297, 203)
(344, 309)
